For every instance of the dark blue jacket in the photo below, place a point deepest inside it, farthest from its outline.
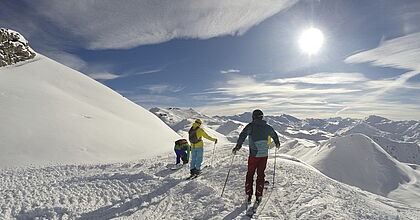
(258, 132)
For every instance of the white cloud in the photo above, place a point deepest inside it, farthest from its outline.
(153, 99)
(103, 76)
(400, 53)
(162, 88)
(326, 78)
(67, 59)
(229, 71)
(248, 87)
(241, 93)
(126, 24)
(306, 96)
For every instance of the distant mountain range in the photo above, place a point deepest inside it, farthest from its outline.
(400, 139)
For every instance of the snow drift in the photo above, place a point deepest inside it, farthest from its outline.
(357, 160)
(53, 114)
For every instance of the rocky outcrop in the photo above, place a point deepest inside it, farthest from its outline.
(13, 48)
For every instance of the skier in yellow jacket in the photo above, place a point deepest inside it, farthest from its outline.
(196, 133)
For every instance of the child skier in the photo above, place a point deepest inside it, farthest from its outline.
(182, 150)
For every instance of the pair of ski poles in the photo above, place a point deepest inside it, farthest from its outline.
(230, 167)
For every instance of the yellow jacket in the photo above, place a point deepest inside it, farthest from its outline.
(200, 134)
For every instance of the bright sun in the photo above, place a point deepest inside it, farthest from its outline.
(311, 41)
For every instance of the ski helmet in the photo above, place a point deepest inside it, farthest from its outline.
(257, 114)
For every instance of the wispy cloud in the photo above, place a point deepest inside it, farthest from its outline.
(103, 76)
(400, 53)
(229, 71)
(315, 95)
(110, 76)
(326, 78)
(298, 95)
(152, 99)
(105, 24)
(67, 59)
(249, 87)
(162, 88)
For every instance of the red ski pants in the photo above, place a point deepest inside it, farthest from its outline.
(259, 164)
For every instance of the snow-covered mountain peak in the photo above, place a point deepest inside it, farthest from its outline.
(357, 160)
(53, 114)
(181, 119)
(174, 115)
(373, 119)
(14, 48)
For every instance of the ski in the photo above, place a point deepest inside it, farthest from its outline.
(266, 184)
(176, 167)
(192, 176)
(252, 210)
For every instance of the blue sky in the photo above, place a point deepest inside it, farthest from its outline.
(229, 57)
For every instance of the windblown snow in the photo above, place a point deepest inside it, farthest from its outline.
(51, 114)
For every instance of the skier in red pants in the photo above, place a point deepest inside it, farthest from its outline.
(260, 134)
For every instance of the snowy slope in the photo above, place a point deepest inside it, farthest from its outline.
(146, 190)
(357, 160)
(52, 114)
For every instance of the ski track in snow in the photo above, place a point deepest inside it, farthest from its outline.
(146, 189)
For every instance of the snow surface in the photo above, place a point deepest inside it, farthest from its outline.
(146, 189)
(51, 114)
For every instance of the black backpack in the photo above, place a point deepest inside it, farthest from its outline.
(192, 135)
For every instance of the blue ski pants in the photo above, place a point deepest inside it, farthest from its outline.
(196, 157)
(181, 154)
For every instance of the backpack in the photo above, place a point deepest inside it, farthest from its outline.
(182, 143)
(192, 135)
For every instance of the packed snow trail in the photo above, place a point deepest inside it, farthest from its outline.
(146, 189)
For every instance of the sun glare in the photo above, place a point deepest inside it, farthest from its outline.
(311, 41)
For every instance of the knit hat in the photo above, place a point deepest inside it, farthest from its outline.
(257, 114)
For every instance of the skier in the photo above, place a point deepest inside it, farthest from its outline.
(260, 134)
(196, 133)
(182, 151)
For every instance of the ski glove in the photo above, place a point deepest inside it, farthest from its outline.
(278, 146)
(215, 141)
(236, 149)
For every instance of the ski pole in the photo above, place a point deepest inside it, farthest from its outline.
(212, 156)
(230, 167)
(274, 172)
